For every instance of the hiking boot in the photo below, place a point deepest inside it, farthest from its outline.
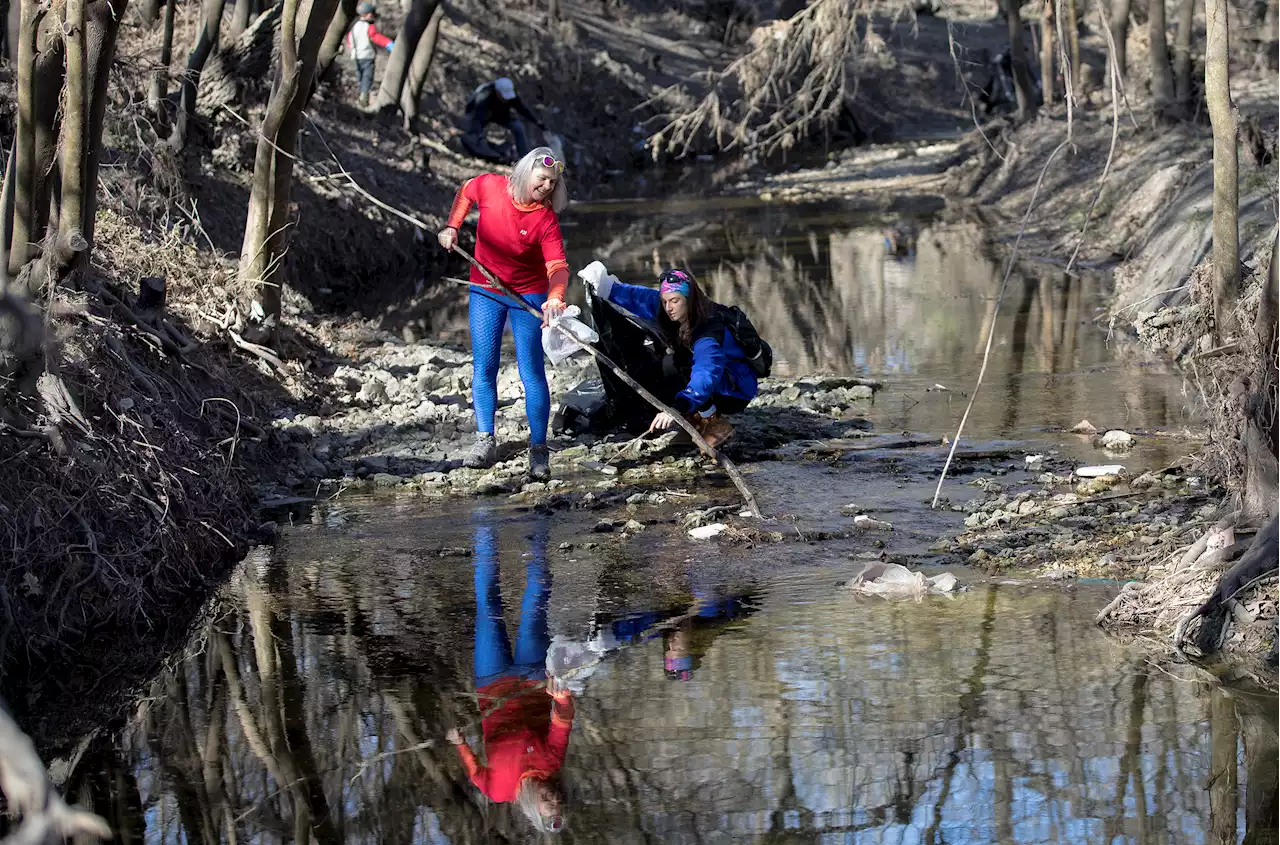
(363, 101)
(714, 429)
(483, 454)
(539, 462)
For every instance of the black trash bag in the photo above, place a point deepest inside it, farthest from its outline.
(585, 408)
(639, 350)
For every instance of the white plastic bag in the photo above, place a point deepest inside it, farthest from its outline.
(571, 662)
(558, 347)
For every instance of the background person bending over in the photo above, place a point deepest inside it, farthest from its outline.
(518, 239)
(496, 102)
(708, 366)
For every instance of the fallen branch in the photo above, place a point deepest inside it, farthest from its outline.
(702, 444)
(257, 349)
(26, 786)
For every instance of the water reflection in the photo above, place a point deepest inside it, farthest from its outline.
(316, 702)
(527, 713)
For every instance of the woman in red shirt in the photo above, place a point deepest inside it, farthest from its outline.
(518, 239)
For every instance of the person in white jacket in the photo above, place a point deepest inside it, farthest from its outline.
(362, 40)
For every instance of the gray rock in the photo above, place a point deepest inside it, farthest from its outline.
(386, 479)
(373, 392)
(375, 463)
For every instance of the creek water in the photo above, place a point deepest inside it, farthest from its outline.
(720, 693)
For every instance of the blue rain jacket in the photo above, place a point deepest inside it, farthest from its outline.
(719, 366)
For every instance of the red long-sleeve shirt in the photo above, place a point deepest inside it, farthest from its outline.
(526, 736)
(520, 244)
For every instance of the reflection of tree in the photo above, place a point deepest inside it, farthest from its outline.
(1224, 739)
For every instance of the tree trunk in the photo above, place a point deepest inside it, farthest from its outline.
(265, 234)
(1073, 38)
(1182, 57)
(1119, 26)
(12, 24)
(1022, 83)
(1270, 26)
(40, 82)
(75, 105)
(397, 70)
(6, 213)
(421, 66)
(1046, 51)
(102, 31)
(1226, 188)
(206, 43)
(21, 176)
(338, 27)
(150, 11)
(1261, 451)
(240, 17)
(1162, 94)
(160, 82)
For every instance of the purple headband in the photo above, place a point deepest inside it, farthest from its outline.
(674, 281)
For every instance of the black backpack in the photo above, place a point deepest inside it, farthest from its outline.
(759, 353)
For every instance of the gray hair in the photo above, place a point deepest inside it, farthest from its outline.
(520, 182)
(527, 802)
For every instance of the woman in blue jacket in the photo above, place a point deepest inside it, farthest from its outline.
(706, 358)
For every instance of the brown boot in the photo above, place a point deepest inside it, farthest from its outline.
(714, 429)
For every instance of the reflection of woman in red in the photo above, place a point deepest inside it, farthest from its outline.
(525, 724)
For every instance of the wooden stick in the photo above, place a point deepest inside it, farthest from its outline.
(601, 358)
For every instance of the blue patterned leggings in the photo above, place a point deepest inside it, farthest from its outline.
(488, 318)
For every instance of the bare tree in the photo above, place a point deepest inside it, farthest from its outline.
(1073, 39)
(160, 82)
(337, 31)
(1162, 95)
(1182, 57)
(1024, 88)
(206, 43)
(396, 73)
(240, 17)
(1261, 395)
(1119, 26)
(1046, 50)
(421, 66)
(267, 225)
(1226, 187)
(50, 203)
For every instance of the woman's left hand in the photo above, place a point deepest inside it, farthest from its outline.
(662, 422)
(551, 309)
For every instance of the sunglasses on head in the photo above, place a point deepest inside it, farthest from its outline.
(551, 163)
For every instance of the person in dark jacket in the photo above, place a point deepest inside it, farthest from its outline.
(496, 102)
(706, 362)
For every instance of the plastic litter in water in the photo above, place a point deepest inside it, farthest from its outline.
(1099, 471)
(706, 532)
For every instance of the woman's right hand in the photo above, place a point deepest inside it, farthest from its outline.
(448, 238)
